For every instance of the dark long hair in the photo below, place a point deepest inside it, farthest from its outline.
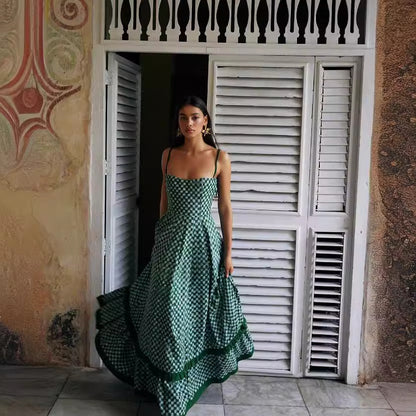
(195, 101)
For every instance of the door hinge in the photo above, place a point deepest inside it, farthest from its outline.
(106, 167)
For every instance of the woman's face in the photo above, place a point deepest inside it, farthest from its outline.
(191, 121)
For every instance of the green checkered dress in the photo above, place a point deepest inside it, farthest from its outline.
(179, 326)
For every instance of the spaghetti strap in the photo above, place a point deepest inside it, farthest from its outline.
(167, 161)
(215, 171)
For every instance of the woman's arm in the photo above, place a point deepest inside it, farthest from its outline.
(224, 207)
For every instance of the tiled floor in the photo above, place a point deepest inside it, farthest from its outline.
(52, 391)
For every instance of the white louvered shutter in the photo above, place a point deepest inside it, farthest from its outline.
(327, 281)
(258, 116)
(331, 221)
(123, 121)
(261, 112)
(334, 115)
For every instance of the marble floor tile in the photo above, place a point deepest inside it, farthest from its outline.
(255, 390)
(32, 386)
(75, 407)
(206, 410)
(328, 411)
(315, 396)
(332, 383)
(240, 410)
(341, 383)
(38, 372)
(212, 395)
(401, 396)
(98, 384)
(343, 396)
(262, 378)
(152, 409)
(25, 405)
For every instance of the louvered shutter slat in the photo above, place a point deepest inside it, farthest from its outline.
(124, 109)
(127, 85)
(259, 93)
(257, 120)
(282, 338)
(126, 126)
(253, 72)
(325, 324)
(126, 118)
(125, 100)
(260, 83)
(271, 319)
(328, 348)
(264, 112)
(247, 138)
(323, 340)
(127, 135)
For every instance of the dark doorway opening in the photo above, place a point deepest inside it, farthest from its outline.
(165, 79)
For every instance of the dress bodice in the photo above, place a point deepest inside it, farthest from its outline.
(190, 198)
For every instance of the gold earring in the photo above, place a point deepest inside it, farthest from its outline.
(205, 130)
(178, 133)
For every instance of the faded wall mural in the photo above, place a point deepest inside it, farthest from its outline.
(44, 120)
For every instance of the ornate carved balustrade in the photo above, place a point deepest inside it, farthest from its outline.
(334, 22)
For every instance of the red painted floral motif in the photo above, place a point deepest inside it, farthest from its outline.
(29, 101)
(20, 96)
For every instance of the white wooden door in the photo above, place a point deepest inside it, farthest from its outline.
(331, 220)
(122, 184)
(291, 192)
(261, 109)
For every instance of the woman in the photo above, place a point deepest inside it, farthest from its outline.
(179, 326)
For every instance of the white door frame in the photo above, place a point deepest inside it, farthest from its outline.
(97, 148)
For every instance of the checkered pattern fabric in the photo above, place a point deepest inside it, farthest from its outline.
(179, 326)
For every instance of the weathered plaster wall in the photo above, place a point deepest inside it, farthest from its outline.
(44, 119)
(390, 327)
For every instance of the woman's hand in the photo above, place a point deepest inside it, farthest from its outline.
(228, 264)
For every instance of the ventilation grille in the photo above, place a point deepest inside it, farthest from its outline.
(326, 303)
(334, 133)
(258, 119)
(264, 263)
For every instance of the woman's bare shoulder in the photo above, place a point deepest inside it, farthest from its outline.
(164, 157)
(166, 149)
(224, 157)
(165, 152)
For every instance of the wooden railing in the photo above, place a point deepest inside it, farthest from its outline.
(237, 21)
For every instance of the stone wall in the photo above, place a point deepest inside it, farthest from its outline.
(44, 151)
(389, 347)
